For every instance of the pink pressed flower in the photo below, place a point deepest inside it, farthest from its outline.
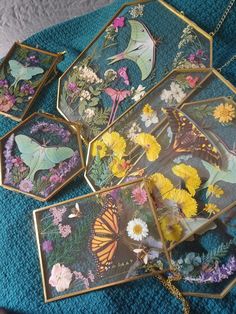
(72, 86)
(7, 102)
(57, 213)
(118, 22)
(122, 72)
(60, 278)
(192, 57)
(47, 246)
(44, 178)
(64, 230)
(199, 53)
(192, 82)
(17, 161)
(139, 196)
(55, 179)
(26, 185)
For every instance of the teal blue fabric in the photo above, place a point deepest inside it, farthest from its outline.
(20, 281)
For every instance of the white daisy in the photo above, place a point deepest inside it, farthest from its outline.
(137, 229)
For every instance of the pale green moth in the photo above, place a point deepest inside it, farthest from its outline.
(39, 157)
(21, 72)
(141, 49)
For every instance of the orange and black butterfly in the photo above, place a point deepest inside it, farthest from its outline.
(189, 138)
(105, 233)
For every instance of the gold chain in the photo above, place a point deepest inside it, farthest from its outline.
(227, 63)
(222, 19)
(168, 284)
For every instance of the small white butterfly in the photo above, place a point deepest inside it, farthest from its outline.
(75, 212)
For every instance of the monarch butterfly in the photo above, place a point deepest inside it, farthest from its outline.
(105, 233)
(189, 138)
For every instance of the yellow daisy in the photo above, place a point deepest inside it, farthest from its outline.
(184, 201)
(147, 110)
(211, 208)
(115, 142)
(189, 175)
(215, 190)
(149, 143)
(98, 149)
(119, 167)
(163, 184)
(171, 230)
(224, 113)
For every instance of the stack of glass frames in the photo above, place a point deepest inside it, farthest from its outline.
(23, 73)
(133, 52)
(180, 135)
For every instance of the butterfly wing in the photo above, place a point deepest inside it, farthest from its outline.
(58, 154)
(21, 72)
(141, 49)
(105, 233)
(38, 157)
(188, 138)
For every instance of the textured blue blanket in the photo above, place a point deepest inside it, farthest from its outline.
(20, 281)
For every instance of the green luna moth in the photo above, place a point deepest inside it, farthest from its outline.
(141, 49)
(21, 72)
(39, 157)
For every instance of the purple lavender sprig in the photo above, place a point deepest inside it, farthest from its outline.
(52, 128)
(62, 171)
(8, 158)
(217, 274)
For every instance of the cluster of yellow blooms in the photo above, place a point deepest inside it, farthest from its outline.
(112, 143)
(183, 200)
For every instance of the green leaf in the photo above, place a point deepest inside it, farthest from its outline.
(100, 171)
(82, 106)
(94, 101)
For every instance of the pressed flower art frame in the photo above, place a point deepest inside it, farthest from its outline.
(98, 104)
(40, 156)
(206, 261)
(200, 81)
(118, 267)
(23, 73)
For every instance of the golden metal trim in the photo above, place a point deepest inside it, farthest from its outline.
(52, 117)
(44, 79)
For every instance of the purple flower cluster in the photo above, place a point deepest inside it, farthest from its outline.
(62, 171)
(52, 128)
(32, 59)
(4, 84)
(217, 274)
(196, 57)
(27, 89)
(8, 158)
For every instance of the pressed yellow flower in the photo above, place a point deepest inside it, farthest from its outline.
(215, 190)
(119, 167)
(184, 201)
(171, 230)
(211, 208)
(163, 184)
(98, 149)
(224, 113)
(115, 142)
(147, 110)
(149, 143)
(189, 175)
